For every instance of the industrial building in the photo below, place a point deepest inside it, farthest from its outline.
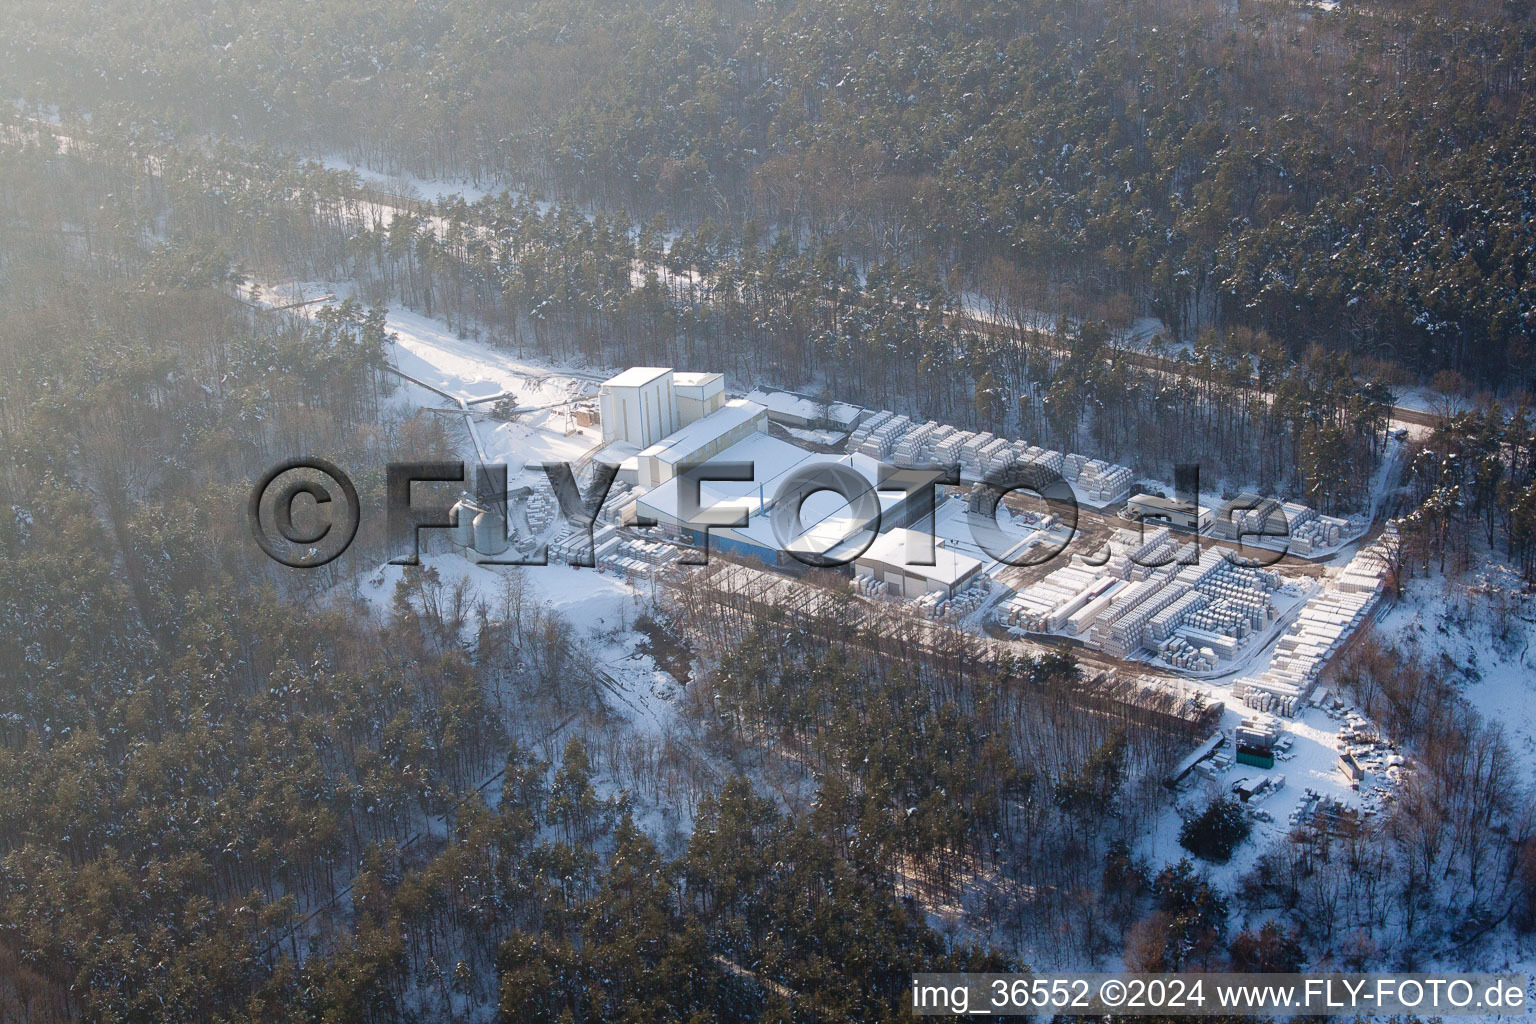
(802, 411)
(655, 419)
(638, 406)
(698, 395)
(823, 519)
(700, 441)
(889, 559)
(1181, 515)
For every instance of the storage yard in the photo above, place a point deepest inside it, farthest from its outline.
(1167, 597)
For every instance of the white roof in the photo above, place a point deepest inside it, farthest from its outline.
(636, 376)
(680, 445)
(787, 403)
(892, 549)
(772, 459)
(694, 380)
(617, 453)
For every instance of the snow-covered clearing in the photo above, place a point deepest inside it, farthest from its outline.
(1479, 632)
(409, 185)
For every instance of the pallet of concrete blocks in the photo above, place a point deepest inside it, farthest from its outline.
(1177, 652)
(884, 438)
(1151, 553)
(931, 604)
(1170, 618)
(1274, 695)
(619, 498)
(649, 552)
(573, 541)
(1257, 732)
(1127, 634)
(1072, 465)
(1224, 618)
(870, 424)
(1048, 459)
(1084, 617)
(946, 452)
(998, 458)
(1309, 531)
(1047, 604)
(1101, 482)
(869, 586)
(540, 508)
(1369, 570)
(970, 453)
(1125, 602)
(915, 444)
(1224, 645)
(633, 567)
(1119, 564)
(964, 603)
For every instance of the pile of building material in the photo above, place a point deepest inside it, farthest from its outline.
(1211, 605)
(895, 438)
(880, 442)
(614, 549)
(1170, 618)
(1370, 569)
(916, 446)
(1255, 739)
(1324, 625)
(952, 609)
(541, 508)
(615, 506)
(1101, 482)
(1239, 601)
(1310, 531)
(1291, 525)
(1250, 518)
(869, 585)
(870, 423)
(1179, 652)
(1046, 458)
(1052, 604)
(572, 544)
(1122, 629)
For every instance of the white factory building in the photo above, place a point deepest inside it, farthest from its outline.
(655, 420)
(639, 406)
(700, 440)
(1184, 515)
(889, 560)
(660, 418)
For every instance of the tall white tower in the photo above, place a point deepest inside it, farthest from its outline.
(638, 406)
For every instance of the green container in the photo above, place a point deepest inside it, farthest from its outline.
(1255, 760)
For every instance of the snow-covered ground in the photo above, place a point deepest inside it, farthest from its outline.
(600, 607)
(1428, 400)
(1480, 632)
(409, 185)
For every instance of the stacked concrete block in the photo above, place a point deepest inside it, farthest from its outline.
(915, 445)
(1170, 618)
(882, 441)
(870, 424)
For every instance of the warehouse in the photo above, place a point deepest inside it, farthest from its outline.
(824, 517)
(700, 441)
(889, 559)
